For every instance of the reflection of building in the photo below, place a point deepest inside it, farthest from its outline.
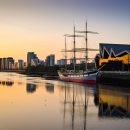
(50, 60)
(30, 88)
(114, 52)
(49, 87)
(114, 102)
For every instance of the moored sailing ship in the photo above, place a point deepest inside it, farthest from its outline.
(87, 77)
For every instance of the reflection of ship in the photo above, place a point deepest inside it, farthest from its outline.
(114, 102)
(88, 77)
(49, 87)
(31, 88)
(76, 103)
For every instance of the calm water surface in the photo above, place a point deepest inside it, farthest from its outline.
(33, 103)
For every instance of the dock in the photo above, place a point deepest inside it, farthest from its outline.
(114, 77)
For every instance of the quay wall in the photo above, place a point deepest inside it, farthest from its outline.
(114, 77)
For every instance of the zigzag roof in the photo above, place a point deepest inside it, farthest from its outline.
(117, 49)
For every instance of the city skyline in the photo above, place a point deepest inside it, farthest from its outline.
(11, 64)
(39, 25)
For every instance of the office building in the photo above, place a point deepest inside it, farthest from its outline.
(20, 64)
(31, 56)
(50, 60)
(72, 61)
(6, 63)
(34, 62)
(61, 62)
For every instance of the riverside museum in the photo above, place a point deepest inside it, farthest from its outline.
(114, 52)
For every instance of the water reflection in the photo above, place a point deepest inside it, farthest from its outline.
(76, 103)
(49, 87)
(30, 88)
(114, 101)
(6, 83)
(111, 101)
(56, 105)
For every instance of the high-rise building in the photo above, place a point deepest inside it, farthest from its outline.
(62, 62)
(72, 61)
(0, 62)
(34, 62)
(16, 66)
(6, 63)
(25, 65)
(82, 61)
(3, 62)
(11, 66)
(47, 61)
(30, 57)
(50, 60)
(20, 64)
(9, 61)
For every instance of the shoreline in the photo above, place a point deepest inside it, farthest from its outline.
(23, 72)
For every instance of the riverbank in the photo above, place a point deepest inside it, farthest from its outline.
(36, 74)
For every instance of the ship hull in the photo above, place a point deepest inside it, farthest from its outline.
(85, 79)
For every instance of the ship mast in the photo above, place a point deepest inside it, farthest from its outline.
(86, 47)
(74, 50)
(74, 46)
(86, 40)
(74, 62)
(65, 53)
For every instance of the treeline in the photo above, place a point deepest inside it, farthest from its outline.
(42, 70)
(53, 70)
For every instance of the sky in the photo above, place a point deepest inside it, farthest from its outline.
(40, 25)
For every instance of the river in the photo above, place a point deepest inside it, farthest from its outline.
(33, 103)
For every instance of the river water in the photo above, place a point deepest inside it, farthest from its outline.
(33, 103)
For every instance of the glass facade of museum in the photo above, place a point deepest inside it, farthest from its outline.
(114, 52)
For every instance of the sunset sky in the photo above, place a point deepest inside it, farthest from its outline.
(39, 25)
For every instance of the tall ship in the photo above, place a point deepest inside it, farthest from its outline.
(87, 76)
